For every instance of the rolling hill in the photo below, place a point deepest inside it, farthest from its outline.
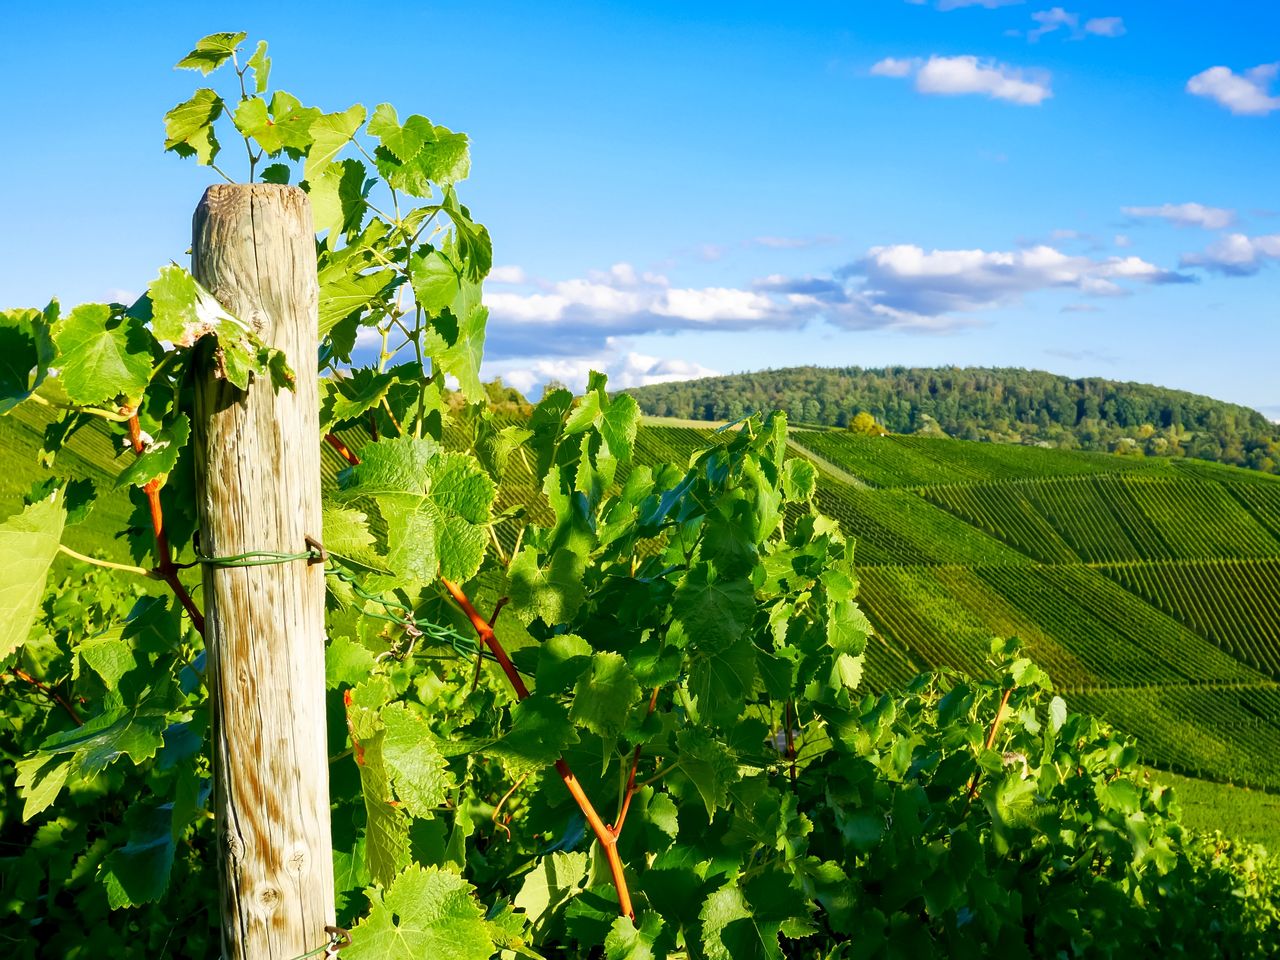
(1005, 405)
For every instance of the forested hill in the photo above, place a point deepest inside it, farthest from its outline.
(1009, 405)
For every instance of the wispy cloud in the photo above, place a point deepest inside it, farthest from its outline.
(1185, 215)
(795, 243)
(1105, 27)
(961, 4)
(1236, 254)
(1243, 94)
(955, 76)
(900, 286)
(506, 274)
(1051, 20)
(625, 368)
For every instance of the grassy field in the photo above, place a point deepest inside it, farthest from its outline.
(1149, 589)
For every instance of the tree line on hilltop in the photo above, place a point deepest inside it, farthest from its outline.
(1003, 405)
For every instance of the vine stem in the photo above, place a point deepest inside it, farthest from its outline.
(631, 778)
(991, 738)
(166, 570)
(607, 839)
(127, 568)
(49, 692)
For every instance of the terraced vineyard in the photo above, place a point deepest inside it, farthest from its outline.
(1149, 588)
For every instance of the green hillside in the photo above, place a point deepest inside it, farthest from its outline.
(1004, 405)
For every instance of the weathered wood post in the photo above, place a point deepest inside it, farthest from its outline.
(258, 481)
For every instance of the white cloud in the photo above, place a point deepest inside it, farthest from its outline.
(988, 4)
(952, 76)
(1243, 94)
(624, 369)
(899, 286)
(1186, 215)
(894, 67)
(1105, 26)
(1122, 240)
(906, 278)
(509, 274)
(1051, 20)
(1236, 254)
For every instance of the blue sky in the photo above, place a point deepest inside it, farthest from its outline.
(682, 188)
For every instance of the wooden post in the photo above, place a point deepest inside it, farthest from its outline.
(258, 482)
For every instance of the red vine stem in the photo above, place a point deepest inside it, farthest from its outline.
(484, 629)
(991, 738)
(607, 838)
(343, 450)
(49, 692)
(631, 779)
(167, 570)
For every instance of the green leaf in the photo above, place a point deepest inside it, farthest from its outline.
(730, 932)
(721, 678)
(562, 659)
(338, 198)
(260, 64)
(626, 941)
(386, 825)
(212, 52)
(1057, 713)
(26, 350)
(359, 394)
(799, 479)
(426, 912)
(138, 872)
(847, 627)
(28, 543)
(413, 156)
(160, 455)
(618, 425)
(188, 127)
(107, 737)
(102, 355)
(540, 732)
(329, 134)
(347, 663)
(109, 656)
(40, 778)
(552, 882)
(713, 613)
(293, 122)
(604, 695)
(347, 537)
(251, 119)
(552, 592)
(709, 764)
(418, 772)
(435, 280)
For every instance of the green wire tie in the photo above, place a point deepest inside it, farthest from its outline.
(315, 553)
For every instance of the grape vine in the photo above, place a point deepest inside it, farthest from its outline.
(661, 748)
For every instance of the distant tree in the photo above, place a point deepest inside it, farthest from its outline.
(864, 422)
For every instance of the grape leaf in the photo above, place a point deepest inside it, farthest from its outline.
(160, 456)
(188, 127)
(118, 732)
(721, 678)
(260, 64)
(102, 355)
(709, 764)
(434, 278)
(418, 772)
(26, 350)
(713, 613)
(212, 52)
(425, 912)
(540, 731)
(28, 543)
(626, 941)
(604, 695)
(40, 778)
(553, 881)
(552, 593)
(139, 871)
(329, 134)
(337, 198)
(413, 156)
(730, 932)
